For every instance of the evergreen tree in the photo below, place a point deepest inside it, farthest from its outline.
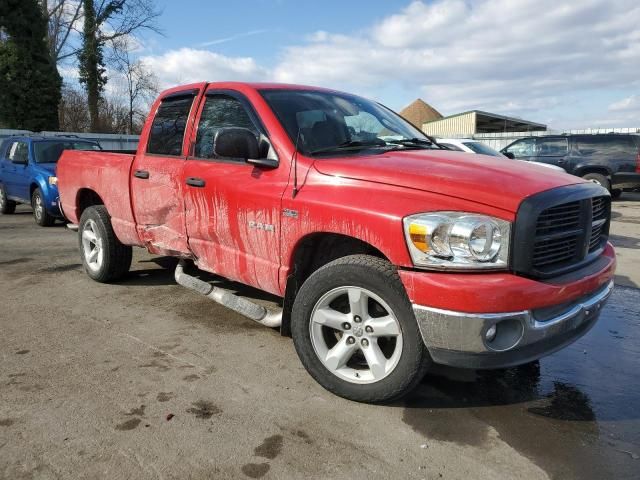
(29, 81)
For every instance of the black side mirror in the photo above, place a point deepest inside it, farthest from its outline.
(234, 142)
(509, 155)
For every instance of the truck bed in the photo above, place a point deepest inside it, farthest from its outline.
(85, 174)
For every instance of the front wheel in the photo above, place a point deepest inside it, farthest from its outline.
(104, 257)
(355, 332)
(6, 206)
(40, 214)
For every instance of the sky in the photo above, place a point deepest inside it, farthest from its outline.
(568, 64)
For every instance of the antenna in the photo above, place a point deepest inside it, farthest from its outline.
(294, 160)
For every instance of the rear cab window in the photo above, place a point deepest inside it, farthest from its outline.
(167, 130)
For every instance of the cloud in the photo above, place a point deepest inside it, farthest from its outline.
(188, 65)
(524, 58)
(626, 104)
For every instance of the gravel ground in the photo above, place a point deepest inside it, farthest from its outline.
(144, 379)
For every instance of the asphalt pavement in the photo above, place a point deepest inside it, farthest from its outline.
(144, 379)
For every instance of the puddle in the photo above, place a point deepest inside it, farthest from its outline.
(575, 413)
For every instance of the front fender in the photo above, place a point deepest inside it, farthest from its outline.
(49, 193)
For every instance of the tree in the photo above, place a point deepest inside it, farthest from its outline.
(140, 84)
(104, 22)
(29, 81)
(63, 18)
(73, 110)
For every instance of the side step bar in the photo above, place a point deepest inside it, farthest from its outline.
(241, 305)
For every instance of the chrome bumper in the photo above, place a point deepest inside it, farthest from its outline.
(465, 339)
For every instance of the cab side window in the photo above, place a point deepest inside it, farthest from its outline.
(220, 111)
(552, 147)
(18, 152)
(167, 130)
(523, 148)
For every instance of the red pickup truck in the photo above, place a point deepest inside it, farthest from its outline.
(389, 253)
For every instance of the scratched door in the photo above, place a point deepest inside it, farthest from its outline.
(156, 177)
(232, 207)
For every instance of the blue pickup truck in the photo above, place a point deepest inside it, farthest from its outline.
(28, 173)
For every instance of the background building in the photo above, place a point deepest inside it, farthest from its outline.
(469, 123)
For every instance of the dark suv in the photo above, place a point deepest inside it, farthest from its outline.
(611, 159)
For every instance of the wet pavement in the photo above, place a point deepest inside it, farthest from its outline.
(575, 413)
(142, 379)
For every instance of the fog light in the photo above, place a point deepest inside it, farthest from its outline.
(491, 333)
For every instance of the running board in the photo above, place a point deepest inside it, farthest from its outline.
(241, 305)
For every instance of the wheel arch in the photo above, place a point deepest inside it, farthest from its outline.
(85, 198)
(582, 170)
(313, 251)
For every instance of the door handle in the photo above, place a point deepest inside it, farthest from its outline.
(141, 174)
(195, 182)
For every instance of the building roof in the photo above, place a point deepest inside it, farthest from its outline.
(419, 112)
(487, 122)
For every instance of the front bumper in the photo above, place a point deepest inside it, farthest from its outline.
(460, 339)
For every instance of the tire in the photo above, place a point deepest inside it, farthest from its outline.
(104, 257)
(599, 179)
(332, 289)
(40, 214)
(7, 206)
(616, 193)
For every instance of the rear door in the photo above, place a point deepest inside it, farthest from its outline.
(15, 170)
(233, 207)
(156, 175)
(552, 150)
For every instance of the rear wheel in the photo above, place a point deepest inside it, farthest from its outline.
(355, 332)
(599, 179)
(104, 257)
(40, 214)
(6, 206)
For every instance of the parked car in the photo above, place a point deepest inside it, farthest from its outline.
(611, 160)
(28, 173)
(384, 267)
(473, 146)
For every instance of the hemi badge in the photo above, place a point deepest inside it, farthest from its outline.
(290, 213)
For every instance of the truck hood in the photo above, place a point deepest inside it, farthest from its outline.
(496, 182)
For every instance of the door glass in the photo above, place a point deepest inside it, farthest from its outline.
(552, 147)
(220, 111)
(18, 153)
(522, 148)
(167, 130)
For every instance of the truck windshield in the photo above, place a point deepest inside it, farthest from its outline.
(325, 123)
(49, 151)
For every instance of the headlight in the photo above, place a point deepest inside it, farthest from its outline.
(457, 240)
(53, 180)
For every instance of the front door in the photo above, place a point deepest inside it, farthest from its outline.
(233, 207)
(14, 171)
(156, 176)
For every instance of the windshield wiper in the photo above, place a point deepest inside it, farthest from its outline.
(353, 144)
(412, 142)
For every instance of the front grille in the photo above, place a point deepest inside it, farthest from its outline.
(557, 233)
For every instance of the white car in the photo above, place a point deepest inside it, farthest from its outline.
(473, 146)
